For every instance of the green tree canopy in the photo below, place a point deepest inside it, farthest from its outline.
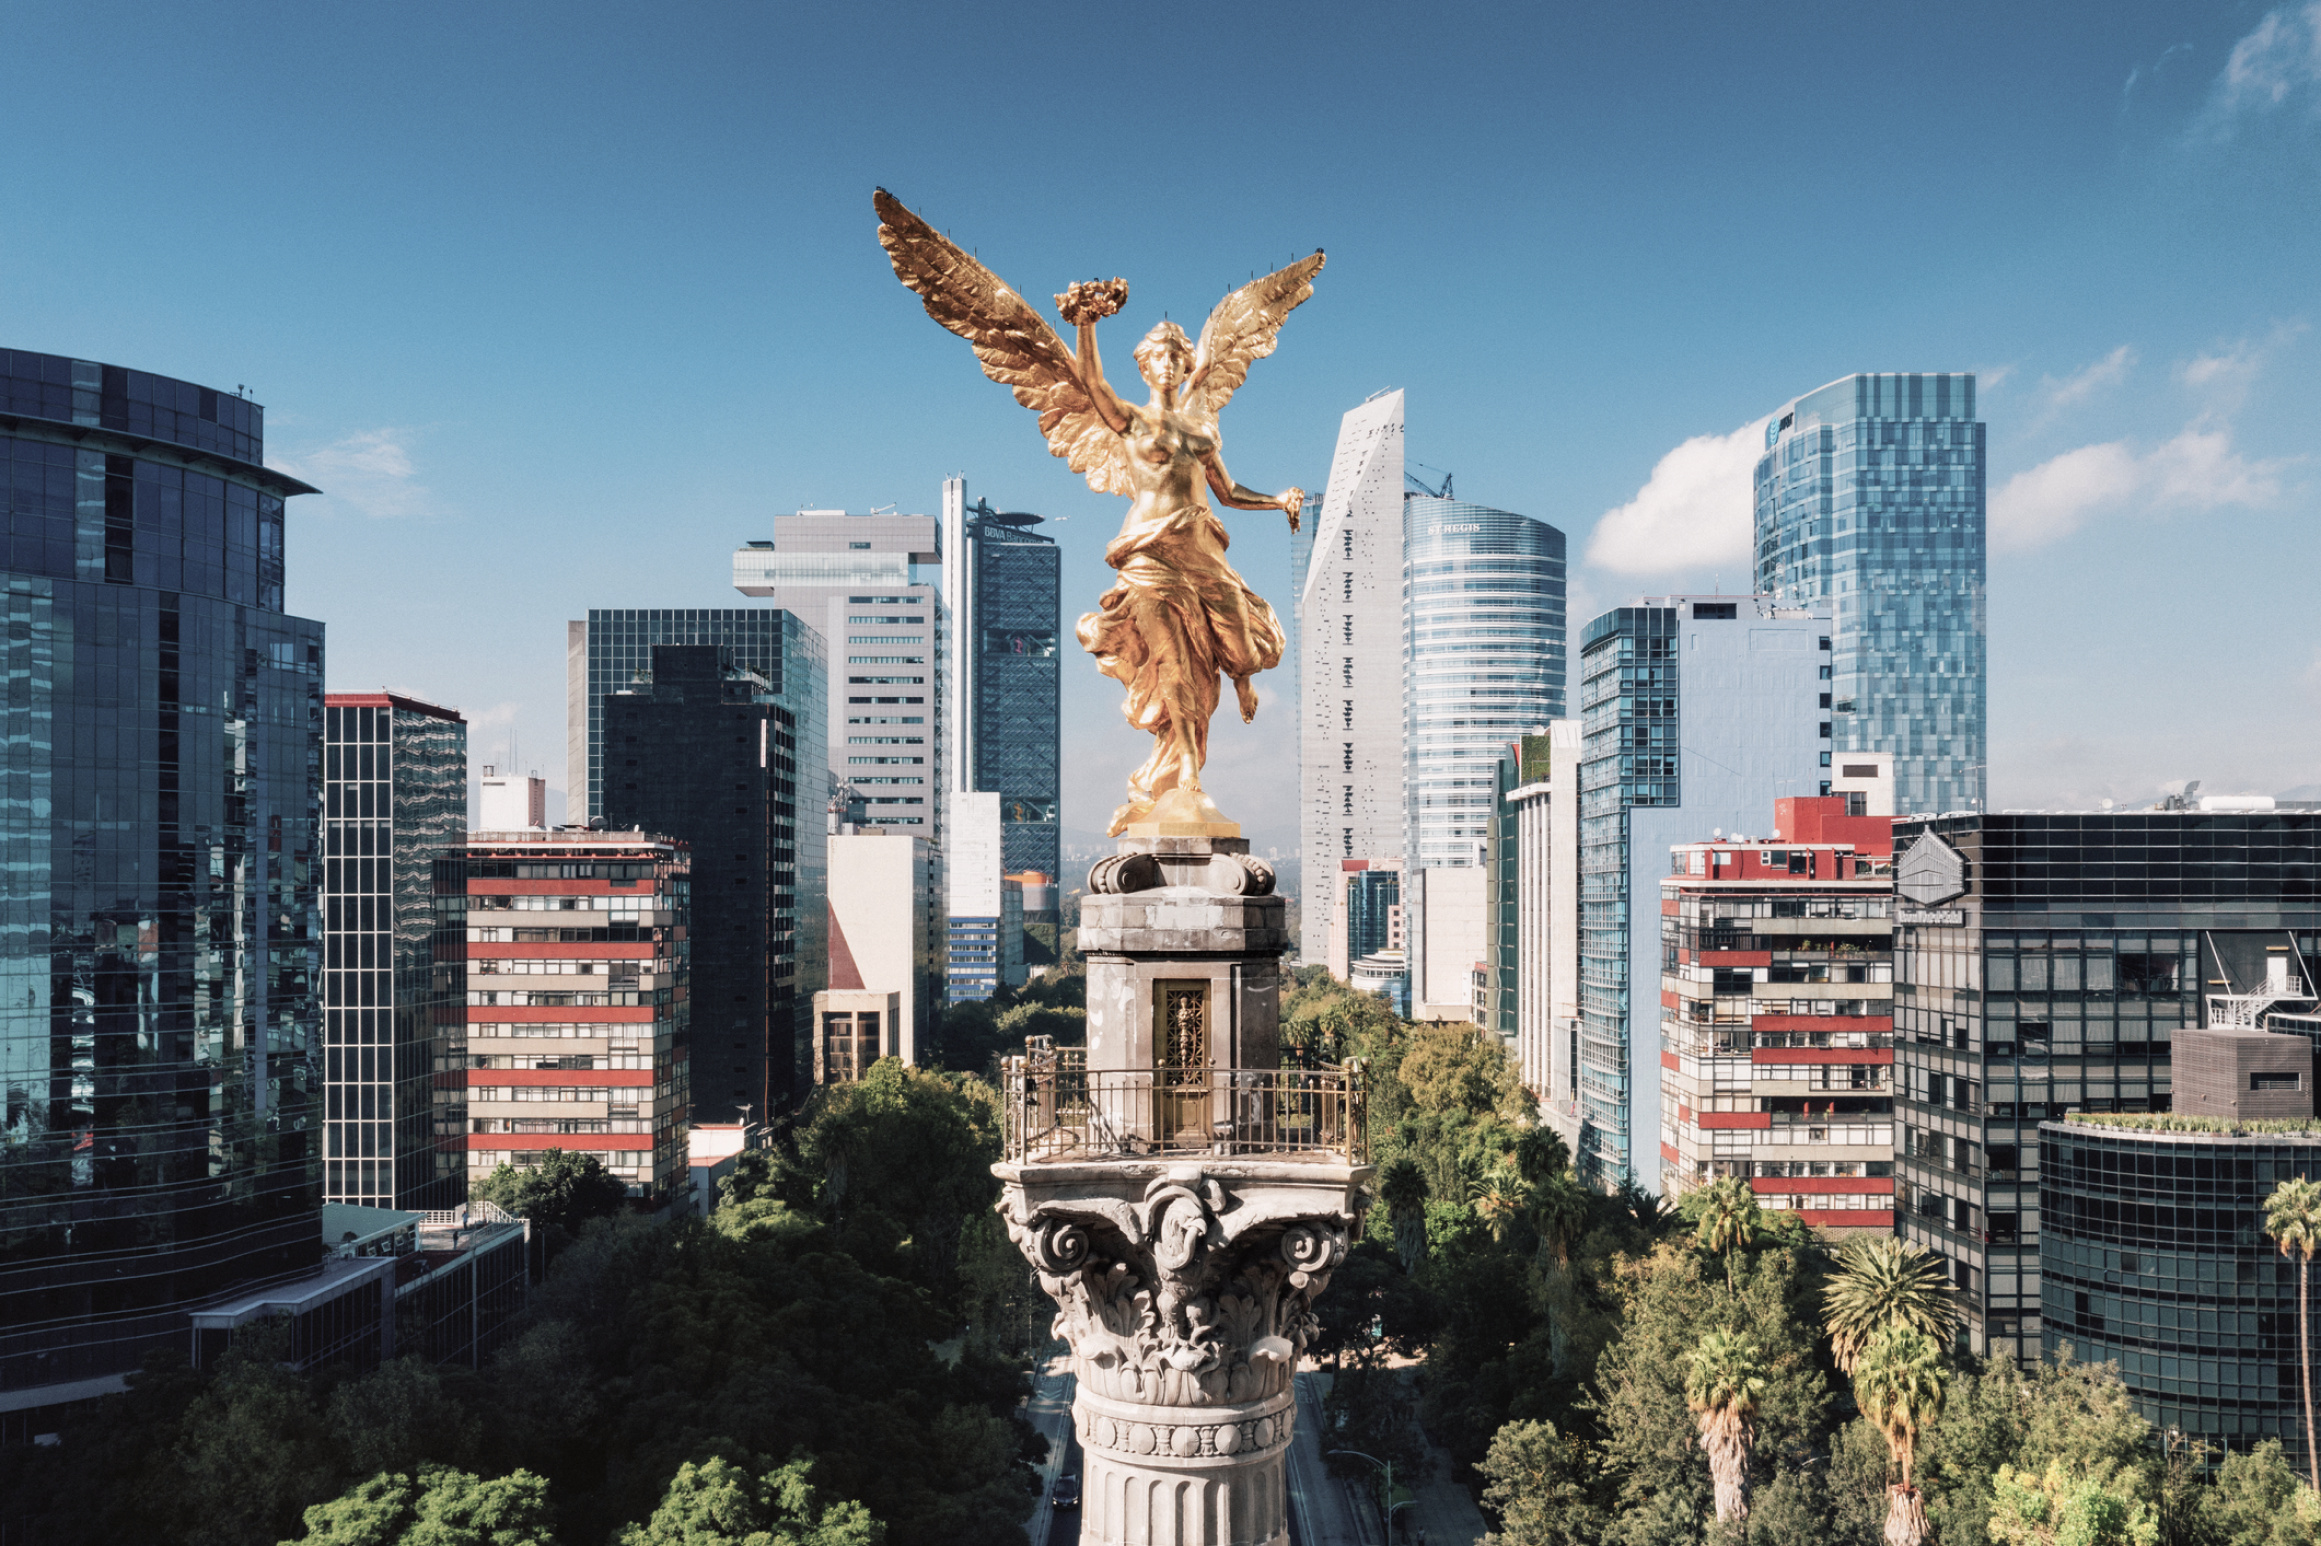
(896, 1162)
(1537, 1486)
(561, 1193)
(2257, 1500)
(2055, 1508)
(440, 1507)
(719, 1503)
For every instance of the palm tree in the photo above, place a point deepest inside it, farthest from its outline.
(1402, 1187)
(1728, 1221)
(1560, 1207)
(1881, 1281)
(1724, 1381)
(1501, 1197)
(1899, 1383)
(2293, 1217)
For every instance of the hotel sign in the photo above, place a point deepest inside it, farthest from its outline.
(1931, 917)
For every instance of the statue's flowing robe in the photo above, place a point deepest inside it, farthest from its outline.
(1179, 618)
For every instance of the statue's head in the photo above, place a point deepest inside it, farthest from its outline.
(1165, 356)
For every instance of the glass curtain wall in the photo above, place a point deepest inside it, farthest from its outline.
(1629, 694)
(395, 790)
(1483, 658)
(1871, 493)
(159, 823)
(1018, 614)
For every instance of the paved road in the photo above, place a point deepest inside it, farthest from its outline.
(1051, 1412)
(1321, 1511)
(1064, 1520)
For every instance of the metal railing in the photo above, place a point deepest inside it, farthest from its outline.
(1060, 1109)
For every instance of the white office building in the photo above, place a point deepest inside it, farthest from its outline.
(1348, 612)
(871, 586)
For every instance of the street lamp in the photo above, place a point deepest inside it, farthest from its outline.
(1386, 1471)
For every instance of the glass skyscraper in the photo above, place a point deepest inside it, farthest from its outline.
(394, 904)
(614, 648)
(1696, 714)
(1483, 663)
(712, 756)
(1870, 493)
(1008, 616)
(159, 825)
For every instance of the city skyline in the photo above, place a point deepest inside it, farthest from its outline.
(1576, 354)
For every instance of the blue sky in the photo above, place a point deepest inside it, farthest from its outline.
(558, 304)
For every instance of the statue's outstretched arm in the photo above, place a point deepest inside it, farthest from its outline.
(1106, 402)
(1289, 501)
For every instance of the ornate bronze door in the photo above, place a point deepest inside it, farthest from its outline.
(1183, 1080)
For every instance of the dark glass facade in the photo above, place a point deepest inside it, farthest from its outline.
(1371, 897)
(1018, 616)
(614, 648)
(2153, 1256)
(159, 824)
(1503, 892)
(707, 753)
(1871, 494)
(2053, 982)
(394, 930)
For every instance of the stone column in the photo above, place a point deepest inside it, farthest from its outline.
(1185, 1289)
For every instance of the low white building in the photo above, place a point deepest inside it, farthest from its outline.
(508, 803)
(1446, 923)
(886, 952)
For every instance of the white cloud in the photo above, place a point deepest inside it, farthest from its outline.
(370, 471)
(2225, 376)
(2281, 59)
(2196, 470)
(2081, 384)
(1992, 378)
(1695, 509)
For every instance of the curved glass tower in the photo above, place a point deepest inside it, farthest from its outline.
(1870, 493)
(1483, 663)
(158, 824)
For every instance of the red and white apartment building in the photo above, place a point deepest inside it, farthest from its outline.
(577, 1005)
(1777, 1015)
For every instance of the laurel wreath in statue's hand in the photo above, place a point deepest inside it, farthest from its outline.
(1092, 300)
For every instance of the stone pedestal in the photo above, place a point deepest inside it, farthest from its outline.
(1186, 1294)
(1182, 1199)
(1166, 916)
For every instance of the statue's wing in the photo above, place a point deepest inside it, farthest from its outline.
(1012, 340)
(1243, 328)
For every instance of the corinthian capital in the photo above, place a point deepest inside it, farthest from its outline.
(1183, 1285)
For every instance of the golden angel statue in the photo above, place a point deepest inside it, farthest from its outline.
(1179, 619)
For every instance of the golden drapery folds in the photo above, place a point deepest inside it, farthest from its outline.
(1180, 619)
